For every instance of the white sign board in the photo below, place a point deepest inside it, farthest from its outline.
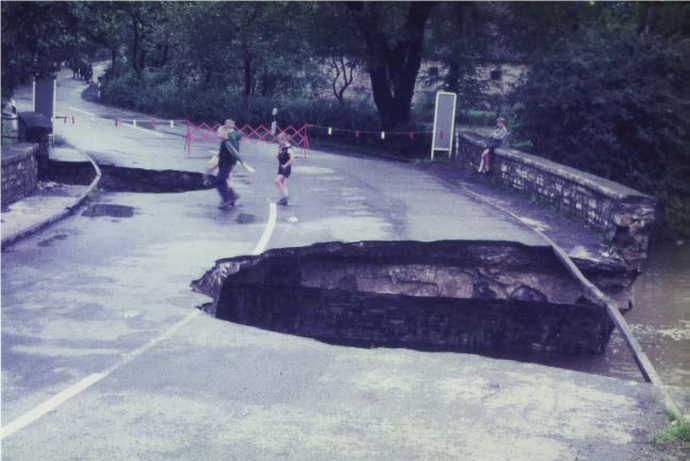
(444, 122)
(45, 96)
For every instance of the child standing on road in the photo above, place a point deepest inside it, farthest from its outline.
(495, 140)
(285, 159)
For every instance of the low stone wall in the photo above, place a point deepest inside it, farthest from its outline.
(623, 214)
(19, 172)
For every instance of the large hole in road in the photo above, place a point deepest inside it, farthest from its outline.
(124, 179)
(446, 295)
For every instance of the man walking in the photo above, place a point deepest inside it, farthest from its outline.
(228, 157)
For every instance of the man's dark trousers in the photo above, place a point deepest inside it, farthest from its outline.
(222, 183)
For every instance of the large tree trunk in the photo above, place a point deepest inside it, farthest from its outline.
(136, 43)
(248, 75)
(453, 76)
(393, 67)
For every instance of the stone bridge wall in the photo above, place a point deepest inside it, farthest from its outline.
(624, 215)
(19, 172)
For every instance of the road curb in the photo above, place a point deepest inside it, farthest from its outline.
(69, 210)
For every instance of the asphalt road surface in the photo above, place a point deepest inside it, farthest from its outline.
(104, 355)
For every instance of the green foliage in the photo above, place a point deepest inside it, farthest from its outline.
(36, 38)
(534, 27)
(678, 432)
(157, 93)
(477, 117)
(251, 47)
(459, 41)
(611, 103)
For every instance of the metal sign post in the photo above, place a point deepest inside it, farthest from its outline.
(444, 122)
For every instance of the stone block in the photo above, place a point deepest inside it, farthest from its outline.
(19, 172)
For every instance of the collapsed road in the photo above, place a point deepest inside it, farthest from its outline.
(104, 351)
(445, 295)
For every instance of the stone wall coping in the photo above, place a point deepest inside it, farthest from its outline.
(605, 186)
(8, 240)
(14, 153)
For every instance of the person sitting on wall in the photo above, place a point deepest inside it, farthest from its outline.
(495, 140)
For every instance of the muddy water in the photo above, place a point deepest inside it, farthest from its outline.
(660, 321)
(661, 318)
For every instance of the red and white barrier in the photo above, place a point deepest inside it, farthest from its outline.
(205, 132)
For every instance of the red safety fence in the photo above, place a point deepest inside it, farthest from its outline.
(199, 133)
(296, 136)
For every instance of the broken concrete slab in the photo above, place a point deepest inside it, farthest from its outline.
(445, 295)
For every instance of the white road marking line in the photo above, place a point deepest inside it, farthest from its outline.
(83, 112)
(144, 130)
(76, 388)
(50, 404)
(268, 230)
(80, 386)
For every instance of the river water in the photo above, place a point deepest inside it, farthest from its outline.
(660, 321)
(661, 317)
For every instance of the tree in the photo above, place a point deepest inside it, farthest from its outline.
(250, 46)
(143, 19)
(36, 38)
(610, 102)
(394, 38)
(459, 41)
(338, 50)
(100, 23)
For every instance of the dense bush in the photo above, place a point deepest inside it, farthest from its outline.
(155, 94)
(611, 103)
(424, 107)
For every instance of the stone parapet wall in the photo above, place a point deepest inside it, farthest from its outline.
(624, 215)
(19, 172)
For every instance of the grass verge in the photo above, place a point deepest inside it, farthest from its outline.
(673, 442)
